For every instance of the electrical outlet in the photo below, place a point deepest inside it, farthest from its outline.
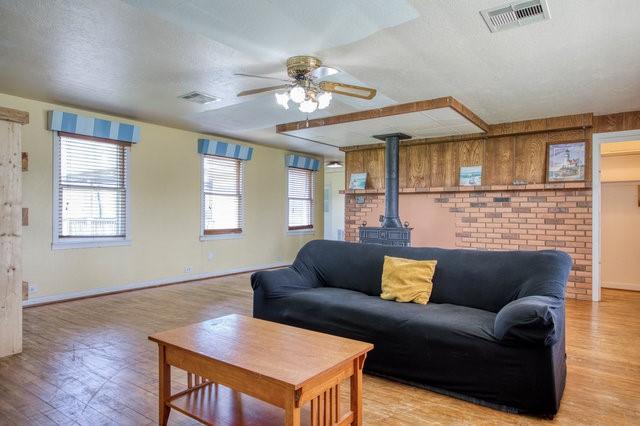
(33, 288)
(210, 256)
(188, 269)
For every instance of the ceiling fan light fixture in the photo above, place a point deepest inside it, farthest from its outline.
(306, 85)
(324, 99)
(297, 94)
(308, 106)
(283, 100)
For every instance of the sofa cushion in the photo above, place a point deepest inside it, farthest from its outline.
(407, 280)
(356, 315)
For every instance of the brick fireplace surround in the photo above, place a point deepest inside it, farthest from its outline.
(506, 217)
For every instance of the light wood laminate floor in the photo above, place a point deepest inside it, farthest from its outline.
(89, 362)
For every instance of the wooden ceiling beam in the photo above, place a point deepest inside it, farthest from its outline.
(407, 108)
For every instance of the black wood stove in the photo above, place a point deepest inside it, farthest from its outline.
(391, 231)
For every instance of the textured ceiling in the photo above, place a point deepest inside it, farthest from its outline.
(134, 57)
(423, 124)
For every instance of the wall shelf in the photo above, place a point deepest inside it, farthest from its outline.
(484, 188)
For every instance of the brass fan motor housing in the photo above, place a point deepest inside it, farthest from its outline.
(299, 66)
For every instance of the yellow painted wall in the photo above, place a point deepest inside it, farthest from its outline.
(620, 235)
(620, 168)
(165, 213)
(620, 215)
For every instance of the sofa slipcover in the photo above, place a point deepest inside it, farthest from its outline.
(492, 332)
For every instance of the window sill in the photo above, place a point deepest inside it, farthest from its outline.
(81, 244)
(307, 231)
(229, 236)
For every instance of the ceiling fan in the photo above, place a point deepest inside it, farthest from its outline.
(304, 88)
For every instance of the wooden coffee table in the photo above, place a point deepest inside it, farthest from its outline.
(242, 370)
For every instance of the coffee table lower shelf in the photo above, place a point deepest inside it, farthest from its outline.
(214, 404)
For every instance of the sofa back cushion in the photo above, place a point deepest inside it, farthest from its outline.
(477, 279)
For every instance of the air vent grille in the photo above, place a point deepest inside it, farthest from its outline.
(529, 11)
(516, 14)
(199, 98)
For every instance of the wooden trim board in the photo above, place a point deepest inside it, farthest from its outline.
(559, 186)
(10, 239)
(407, 108)
(14, 115)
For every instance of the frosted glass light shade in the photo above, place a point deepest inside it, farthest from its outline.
(297, 94)
(308, 106)
(324, 99)
(283, 99)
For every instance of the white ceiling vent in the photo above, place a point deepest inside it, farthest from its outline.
(515, 14)
(199, 98)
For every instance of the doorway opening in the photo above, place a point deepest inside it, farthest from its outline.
(334, 203)
(616, 211)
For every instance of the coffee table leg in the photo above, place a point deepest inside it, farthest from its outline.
(356, 390)
(292, 411)
(164, 375)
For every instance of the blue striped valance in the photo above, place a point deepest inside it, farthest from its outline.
(301, 162)
(90, 126)
(224, 149)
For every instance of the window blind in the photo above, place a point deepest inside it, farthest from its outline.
(300, 191)
(91, 188)
(222, 195)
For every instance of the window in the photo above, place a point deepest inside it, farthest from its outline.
(90, 193)
(300, 190)
(222, 188)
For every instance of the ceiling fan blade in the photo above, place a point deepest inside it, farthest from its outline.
(322, 72)
(348, 90)
(259, 76)
(264, 89)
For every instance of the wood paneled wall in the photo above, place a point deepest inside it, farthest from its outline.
(433, 163)
(616, 122)
(507, 152)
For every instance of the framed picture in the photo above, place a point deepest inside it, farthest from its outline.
(566, 162)
(471, 176)
(358, 181)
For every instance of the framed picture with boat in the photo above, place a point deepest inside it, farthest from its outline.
(566, 161)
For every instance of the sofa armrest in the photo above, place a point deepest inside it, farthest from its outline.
(279, 282)
(531, 319)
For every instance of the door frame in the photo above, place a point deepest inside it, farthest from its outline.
(598, 140)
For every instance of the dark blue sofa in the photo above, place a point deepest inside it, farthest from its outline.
(492, 333)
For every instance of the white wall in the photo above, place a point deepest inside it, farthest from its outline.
(621, 222)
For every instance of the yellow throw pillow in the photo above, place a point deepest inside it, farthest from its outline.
(407, 280)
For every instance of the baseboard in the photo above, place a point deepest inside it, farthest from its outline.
(621, 286)
(102, 291)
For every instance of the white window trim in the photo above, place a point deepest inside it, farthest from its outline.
(77, 243)
(309, 231)
(230, 236)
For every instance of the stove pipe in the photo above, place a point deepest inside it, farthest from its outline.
(391, 159)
